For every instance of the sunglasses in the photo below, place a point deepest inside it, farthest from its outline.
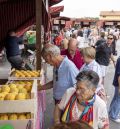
(56, 73)
(110, 38)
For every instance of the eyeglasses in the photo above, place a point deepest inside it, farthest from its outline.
(110, 38)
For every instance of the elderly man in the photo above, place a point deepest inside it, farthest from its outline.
(64, 72)
(73, 53)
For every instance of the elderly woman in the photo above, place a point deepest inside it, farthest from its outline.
(81, 103)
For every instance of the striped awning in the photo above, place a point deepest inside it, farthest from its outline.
(53, 2)
(56, 9)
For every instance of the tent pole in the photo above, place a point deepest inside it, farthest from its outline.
(38, 33)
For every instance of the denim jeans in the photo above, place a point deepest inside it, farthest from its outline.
(16, 62)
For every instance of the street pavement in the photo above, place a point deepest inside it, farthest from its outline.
(108, 86)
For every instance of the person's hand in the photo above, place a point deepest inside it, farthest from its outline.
(56, 121)
(40, 87)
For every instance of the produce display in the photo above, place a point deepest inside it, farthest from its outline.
(18, 98)
(15, 116)
(19, 90)
(27, 73)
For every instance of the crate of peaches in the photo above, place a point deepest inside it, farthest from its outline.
(25, 74)
(18, 96)
(17, 120)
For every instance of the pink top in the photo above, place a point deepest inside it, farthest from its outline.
(77, 60)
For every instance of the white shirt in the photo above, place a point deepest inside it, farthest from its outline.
(81, 41)
(93, 66)
(100, 115)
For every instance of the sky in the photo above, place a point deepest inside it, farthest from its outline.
(88, 8)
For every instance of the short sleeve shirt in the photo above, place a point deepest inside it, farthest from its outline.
(67, 73)
(103, 54)
(93, 66)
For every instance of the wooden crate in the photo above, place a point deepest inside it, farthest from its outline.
(19, 106)
(19, 124)
(12, 76)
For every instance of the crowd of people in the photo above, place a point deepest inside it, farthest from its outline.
(80, 59)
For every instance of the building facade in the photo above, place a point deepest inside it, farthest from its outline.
(110, 18)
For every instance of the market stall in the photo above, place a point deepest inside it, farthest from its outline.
(25, 111)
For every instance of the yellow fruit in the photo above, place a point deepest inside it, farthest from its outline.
(37, 74)
(20, 96)
(12, 117)
(23, 90)
(28, 96)
(29, 83)
(4, 93)
(14, 90)
(21, 82)
(20, 86)
(28, 75)
(21, 117)
(28, 116)
(21, 75)
(10, 96)
(28, 88)
(17, 75)
(22, 70)
(4, 117)
(12, 85)
(31, 73)
(25, 73)
(2, 96)
(5, 88)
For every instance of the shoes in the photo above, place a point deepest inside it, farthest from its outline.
(115, 120)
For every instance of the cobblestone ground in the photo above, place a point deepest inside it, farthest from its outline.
(108, 86)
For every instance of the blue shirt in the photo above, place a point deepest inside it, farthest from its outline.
(12, 46)
(64, 78)
(117, 73)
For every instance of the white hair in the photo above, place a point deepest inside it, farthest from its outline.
(51, 49)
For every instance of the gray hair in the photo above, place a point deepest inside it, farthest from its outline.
(50, 49)
(90, 77)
